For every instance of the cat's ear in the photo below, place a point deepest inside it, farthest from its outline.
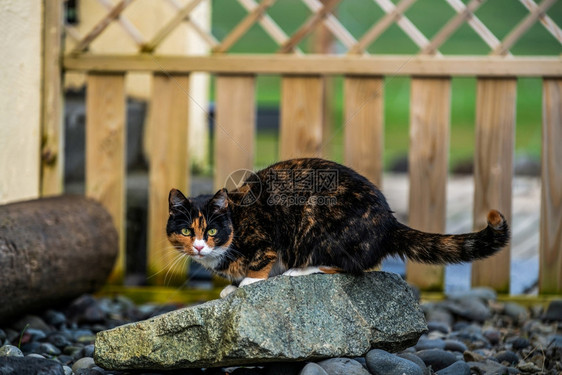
(220, 200)
(176, 200)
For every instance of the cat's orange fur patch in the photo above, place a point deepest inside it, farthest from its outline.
(495, 219)
(330, 270)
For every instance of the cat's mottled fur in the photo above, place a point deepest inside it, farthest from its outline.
(310, 215)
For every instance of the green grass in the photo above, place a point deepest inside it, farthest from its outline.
(500, 16)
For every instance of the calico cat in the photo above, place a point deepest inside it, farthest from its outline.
(304, 216)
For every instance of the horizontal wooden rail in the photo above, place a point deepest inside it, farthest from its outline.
(491, 66)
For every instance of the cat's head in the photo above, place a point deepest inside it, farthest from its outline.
(200, 226)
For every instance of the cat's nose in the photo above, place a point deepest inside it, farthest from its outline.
(198, 247)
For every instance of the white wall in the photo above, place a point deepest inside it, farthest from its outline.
(20, 88)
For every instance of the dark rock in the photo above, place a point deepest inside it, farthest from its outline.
(438, 326)
(488, 367)
(417, 360)
(28, 322)
(31, 347)
(492, 335)
(3, 337)
(88, 371)
(89, 351)
(461, 325)
(482, 293)
(430, 344)
(554, 311)
(471, 308)
(49, 349)
(59, 340)
(380, 362)
(361, 360)
(85, 309)
(35, 334)
(507, 356)
(520, 343)
(457, 368)
(316, 319)
(29, 366)
(455, 346)
(515, 311)
(283, 368)
(471, 337)
(436, 358)
(440, 315)
(10, 351)
(54, 318)
(529, 367)
(82, 363)
(65, 359)
(313, 369)
(343, 366)
(73, 351)
(555, 341)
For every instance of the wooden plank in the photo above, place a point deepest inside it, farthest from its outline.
(309, 25)
(478, 26)
(100, 26)
(430, 118)
(235, 126)
(105, 152)
(493, 170)
(421, 65)
(268, 25)
(169, 168)
(52, 155)
(550, 255)
(165, 30)
(302, 110)
(454, 23)
(128, 26)
(244, 25)
(380, 26)
(405, 24)
(522, 27)
(364, 126)
(332, 24)
(547, 22)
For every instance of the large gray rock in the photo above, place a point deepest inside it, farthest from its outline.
(281, 319)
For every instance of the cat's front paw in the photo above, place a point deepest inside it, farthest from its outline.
(249, 280)
(227, 290)
(302, 271)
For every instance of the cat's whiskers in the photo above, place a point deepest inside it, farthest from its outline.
(173, 266)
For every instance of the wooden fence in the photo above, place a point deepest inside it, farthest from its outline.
(302, 103)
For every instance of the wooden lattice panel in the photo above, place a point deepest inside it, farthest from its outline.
(322, 13)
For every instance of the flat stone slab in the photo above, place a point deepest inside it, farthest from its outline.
(281, 319)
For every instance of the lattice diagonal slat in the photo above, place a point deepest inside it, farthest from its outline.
(322, 13)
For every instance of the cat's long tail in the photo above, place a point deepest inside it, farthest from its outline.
(442, 249)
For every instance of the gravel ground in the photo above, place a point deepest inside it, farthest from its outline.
(469, 333)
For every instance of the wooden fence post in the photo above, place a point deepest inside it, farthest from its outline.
(364, 126)
(169, 168)
(493, 170)
(235, 126)
(302, 110)
(430, 104)
(52, 142)
(105, 152)
(550, 269)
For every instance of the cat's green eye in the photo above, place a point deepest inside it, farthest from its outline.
(185, 231)
(212, 232)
